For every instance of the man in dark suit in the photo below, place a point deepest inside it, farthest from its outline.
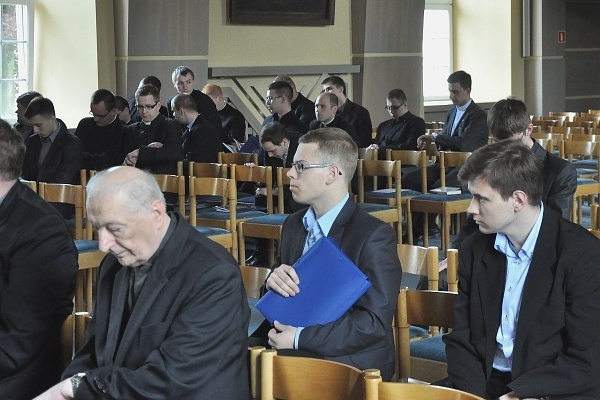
(302, 107)
(171, 314)
(155, 141)
(528, 288)
(323, 167)
(279, 102)
(355, 114)
(200, 140)
(134, 113)
(22, 125)
(326, 112)
(53, 154)
(232, 120)
(38, 266)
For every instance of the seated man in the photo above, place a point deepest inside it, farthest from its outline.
(102, 135)
(279, 102)
(22, 125)
(154, 142)
(323, 167)
(38, 266)
(302, 107)
(326, 108)
(232, 120)
(133, 110)
(400, 132)
(528, 288)
(200, 140)
(123, 110)
(171, 314)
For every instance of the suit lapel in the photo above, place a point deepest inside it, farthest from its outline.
(115, 319)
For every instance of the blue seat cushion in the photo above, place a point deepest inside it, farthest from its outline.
(443, 197)
(586, 171)
(387, 194)
(417, 331)
(207, 231)
(272, 219)
(242, 213)
(585, 181)
(86, 246)
(371, 207)
(432, 348)
(588, 163)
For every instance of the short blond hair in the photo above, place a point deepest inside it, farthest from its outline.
(212, 90)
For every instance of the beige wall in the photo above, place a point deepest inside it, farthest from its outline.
(65, 55)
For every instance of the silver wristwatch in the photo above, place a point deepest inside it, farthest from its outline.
(76, 381)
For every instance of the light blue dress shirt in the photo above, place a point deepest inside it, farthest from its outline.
(460, 111)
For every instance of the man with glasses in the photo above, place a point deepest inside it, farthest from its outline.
(323, 167)
(155, 141)
(102, 135)
(402, 130)
(303, 107)
(326, 108)
(279, 103)
(133, 111)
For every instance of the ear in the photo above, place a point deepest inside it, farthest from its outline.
(529, 130)
(159, 211)
(520, 200)
(333, 175)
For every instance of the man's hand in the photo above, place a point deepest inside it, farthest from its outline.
(373, 146)
(284, 281)
(131, 158)
(250, 164)
(282, 336)
(423, 141)
(261, 192)
(156, 145)
(512, 396)
(443, 265)
(60, 391)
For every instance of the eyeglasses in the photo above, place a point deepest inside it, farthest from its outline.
(269, 99)
(301, 167)
(393, 107)
(99, 115)
(146, 107)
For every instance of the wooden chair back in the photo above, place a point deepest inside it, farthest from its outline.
(254, 278)
(175, 185)
(452, 269)
(585, 137)
(544, 124)
(67, 194)
(546, 144)
(308, 378)
(417, 158)
(256, 174)
(418, 260)
(31, 184)
(595, 216)
(451, 159)
(575, 149)
(379, 168)
(207, 170)
(375, 389)
(237, 158)
(367, 154)
(282, 181)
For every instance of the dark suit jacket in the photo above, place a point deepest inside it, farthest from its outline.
(187, 335)
(62, 163)
(557, 352)
(400, 134)
(359, 117)
(205, 107)
(362, 337)
(304, 109)
(103, 146)
(292, 124)
(157, 160)
(203, 142)
(471, 132)
(38, 265)
(338, 122)
(233, 123)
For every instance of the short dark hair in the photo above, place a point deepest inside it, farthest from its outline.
(337, 81)
(282, 88)
(462, 78)
(25, 98)
(12, 152)
(273, 132)
(506, 166)
(397, 94)
(183, 71)
(122, 103)
(185, 101)
(105, 96)
(148, 90)
(40, 106)
(333, 99)
(507, 118)
(152, 80)
(336, 146)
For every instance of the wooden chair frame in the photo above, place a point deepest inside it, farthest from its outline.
(67, 194)
(375, 389)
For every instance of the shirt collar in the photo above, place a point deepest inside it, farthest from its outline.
(189, 126)
(464, 107)
(503, 245)
(326, 221)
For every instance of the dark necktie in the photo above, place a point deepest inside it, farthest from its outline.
(46, 143)
(184, 138)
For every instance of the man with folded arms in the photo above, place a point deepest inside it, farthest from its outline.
(323, 167)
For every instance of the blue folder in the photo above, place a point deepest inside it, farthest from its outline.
(330, 283)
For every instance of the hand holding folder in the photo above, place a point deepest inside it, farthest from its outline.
(330, 283)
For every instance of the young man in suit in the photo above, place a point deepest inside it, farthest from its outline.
(171, 314)
(529, 285)
(302, 107)
(22, 125)
(323, 167)
(326, 108)
(38, 267)
(232, 120)
(279, 102)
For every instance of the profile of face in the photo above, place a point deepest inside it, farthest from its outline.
(148, 108)
(324, 111)
(20, 111)
(277, 151)
(124, 115)
(184, 84)
(102, 116)
(396, 108)
(179, 114)
(132, 237)
(310, 185)
(490, 211)
(274, 102)
(459, 95)
(331, 88)
(42, 125)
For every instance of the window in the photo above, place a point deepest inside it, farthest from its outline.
(437, 49)
(16, 27)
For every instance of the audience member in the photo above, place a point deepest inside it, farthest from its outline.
(355, 114)
(38, 266)
(323, 167)
(171, 315)
(22, 125)
(326, 108)
(123, 110)
(302, 107)
(402, 130)
(232, 120)
(155, 142)
(133, 111)
(200, 140)
(279, 103)
(102, 135)
(528, 296)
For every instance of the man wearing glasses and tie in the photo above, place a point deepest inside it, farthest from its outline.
(323, 167)
(155, 141)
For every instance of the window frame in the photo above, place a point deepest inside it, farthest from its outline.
(445, 5)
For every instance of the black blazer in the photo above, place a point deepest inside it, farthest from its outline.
(203, 142)
(399, 135)
(103, 146)
(206, 107)
(304, 109)
(338, 122)
(363, 336)
(471, 132)
(359, 117)
(38, 266)
(187, 336)
(62, 163)
(556, 353)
